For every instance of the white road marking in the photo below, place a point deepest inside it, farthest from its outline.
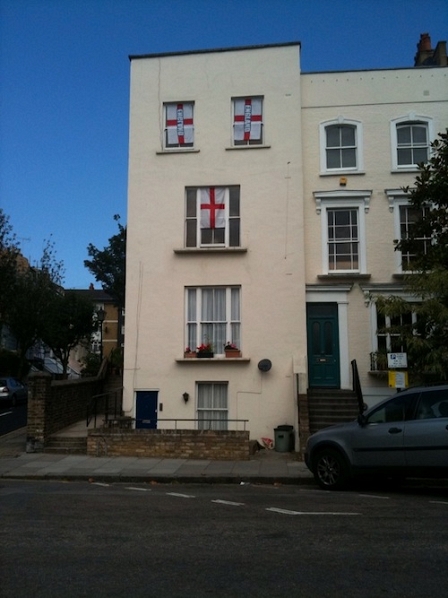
(374, 496)
(180, 495)
(229, 502)
(139, 489)
(438, 502)
(6, 413)
(100, 484)
(286, 512)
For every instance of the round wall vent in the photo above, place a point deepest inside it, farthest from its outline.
(265, 365)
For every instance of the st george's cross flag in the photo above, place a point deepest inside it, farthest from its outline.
(179, 124)
(213, 207)
(247, 119)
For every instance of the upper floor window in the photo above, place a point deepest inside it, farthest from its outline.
(405, 216)
(410, 136)
(409, 215)
(248, 121)
(340, 143)
(213, 316)
(179, 125)
(343, 230)
(212, 217)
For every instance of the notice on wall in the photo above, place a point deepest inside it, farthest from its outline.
(397, 360)
(398, 379)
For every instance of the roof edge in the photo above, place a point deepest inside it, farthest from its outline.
(213, 50)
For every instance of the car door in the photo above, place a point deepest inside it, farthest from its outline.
(426, 436)
(379, 444)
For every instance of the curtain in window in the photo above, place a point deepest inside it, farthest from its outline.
(212, 406)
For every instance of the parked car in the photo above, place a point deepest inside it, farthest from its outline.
(12, 391)
(403, 435)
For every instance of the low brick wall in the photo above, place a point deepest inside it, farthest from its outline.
(54, 405)
(176, 444)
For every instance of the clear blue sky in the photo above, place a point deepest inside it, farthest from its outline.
(64, 90)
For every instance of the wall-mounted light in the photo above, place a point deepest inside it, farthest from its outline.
(186, 396)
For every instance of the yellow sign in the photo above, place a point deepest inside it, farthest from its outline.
(398, 379)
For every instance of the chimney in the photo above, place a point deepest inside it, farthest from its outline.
(425, 43)
(424, 51)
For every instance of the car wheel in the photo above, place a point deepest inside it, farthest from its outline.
(330, 469)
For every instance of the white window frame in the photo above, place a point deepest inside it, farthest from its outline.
(359, 152)
(410, 118)
(372, 294)
(228, 218)
(178, 146)
(359, 200)
(214, 410)
(195, 326)
(254, 142)
(397, 198)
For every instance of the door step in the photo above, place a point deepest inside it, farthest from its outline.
(329, 407)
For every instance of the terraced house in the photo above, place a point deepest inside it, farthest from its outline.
(262, 212)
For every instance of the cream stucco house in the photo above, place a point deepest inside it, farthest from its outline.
(263, 204)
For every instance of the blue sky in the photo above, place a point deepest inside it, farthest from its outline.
(64, 90)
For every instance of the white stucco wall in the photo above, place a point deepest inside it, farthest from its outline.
(373, 98)
(271, 272)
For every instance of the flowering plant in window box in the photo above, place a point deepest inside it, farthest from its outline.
(188, 353)
(231, 350)
(205, 350)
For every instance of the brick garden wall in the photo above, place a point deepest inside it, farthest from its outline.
(185, 444)
(54, 405)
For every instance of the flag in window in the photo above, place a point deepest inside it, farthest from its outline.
(213, 207)
(247, 119)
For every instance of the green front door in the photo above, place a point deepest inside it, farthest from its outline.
(323, 345)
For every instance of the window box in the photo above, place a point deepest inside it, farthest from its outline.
(233, 353)
(204, 354)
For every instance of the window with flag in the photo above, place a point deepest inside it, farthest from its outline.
(213, 315)
(212, 406)
(248, 121)
(179, 125)
(212, 217)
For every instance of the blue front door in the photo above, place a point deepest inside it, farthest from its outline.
(146, 409)
(323, 345)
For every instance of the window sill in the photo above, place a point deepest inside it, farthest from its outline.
(215, 360)
(177, 150)
(411, 169)
(344, 276)
(246, 147)
(341, 172)
(205, 250)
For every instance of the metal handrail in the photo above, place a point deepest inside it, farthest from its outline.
(92, 408)
(126, 420)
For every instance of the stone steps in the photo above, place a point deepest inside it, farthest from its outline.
(328, 407)
(69, 445)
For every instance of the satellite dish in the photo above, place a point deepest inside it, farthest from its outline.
(264, 365)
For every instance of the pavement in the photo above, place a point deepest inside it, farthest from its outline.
(265, 467)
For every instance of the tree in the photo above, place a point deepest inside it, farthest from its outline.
(426, 339)
(9, 255)
(69, 322)
(109, 265)
(32, 292)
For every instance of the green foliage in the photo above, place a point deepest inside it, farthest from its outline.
(68, 322)
(430, 190)
(109, 265)
(92, 364)
(10, 365)
(9, 253)
(426, 340)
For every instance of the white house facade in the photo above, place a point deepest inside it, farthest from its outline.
(263, 205)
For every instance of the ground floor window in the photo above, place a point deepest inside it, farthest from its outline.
(212, 406)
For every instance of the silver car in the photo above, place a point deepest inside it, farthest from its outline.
(404, 435)
(12, 391)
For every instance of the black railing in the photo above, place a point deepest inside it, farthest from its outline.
(130, 422)
(357, 386)
(108, 404)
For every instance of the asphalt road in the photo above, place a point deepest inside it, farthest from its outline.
(79, 539)
(12, 418)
